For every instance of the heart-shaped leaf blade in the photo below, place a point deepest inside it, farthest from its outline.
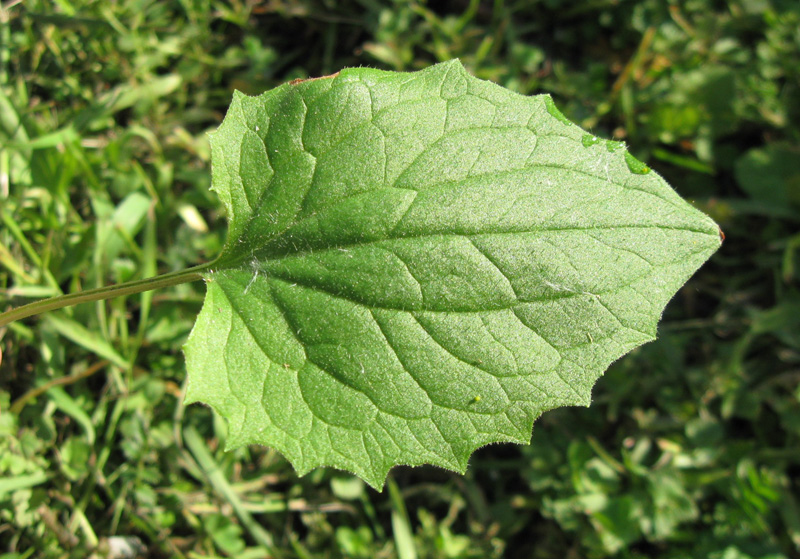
(419, 264)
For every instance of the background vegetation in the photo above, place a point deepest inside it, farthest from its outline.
(690, 449)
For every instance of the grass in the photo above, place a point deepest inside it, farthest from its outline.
(690, 448)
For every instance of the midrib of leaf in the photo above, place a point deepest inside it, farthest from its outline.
(264, 252)
(275, 274)
(266, 255)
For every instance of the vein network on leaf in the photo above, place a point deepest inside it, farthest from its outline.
(419, 264)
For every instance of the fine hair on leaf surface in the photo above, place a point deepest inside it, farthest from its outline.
(419, 264)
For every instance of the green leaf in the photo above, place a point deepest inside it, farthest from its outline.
(419, 264)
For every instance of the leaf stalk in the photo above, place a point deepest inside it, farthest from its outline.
(107, 292)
